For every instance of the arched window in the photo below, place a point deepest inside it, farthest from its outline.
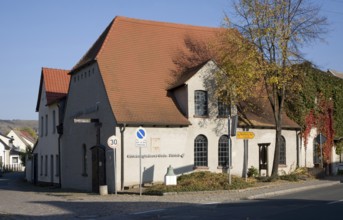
(223, 148)
(200, 151)
(282, 158)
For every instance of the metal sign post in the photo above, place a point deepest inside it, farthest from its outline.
(229, 150)
(140, 142)
(113, 142)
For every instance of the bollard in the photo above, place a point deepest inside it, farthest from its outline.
(170, 177)
(103, 190)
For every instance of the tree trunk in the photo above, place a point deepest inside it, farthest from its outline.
(278, 130)
(277, 150)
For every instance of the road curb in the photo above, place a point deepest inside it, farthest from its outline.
(288, 191)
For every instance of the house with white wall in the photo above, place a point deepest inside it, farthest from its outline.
(53, 89)
(4, 150)
(13, 145)
(125, 81)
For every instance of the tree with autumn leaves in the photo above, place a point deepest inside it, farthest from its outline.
(264, 53)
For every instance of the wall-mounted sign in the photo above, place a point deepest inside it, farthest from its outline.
(245, 135)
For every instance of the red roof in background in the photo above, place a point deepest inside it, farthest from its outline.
(136, 61)
(56, 82)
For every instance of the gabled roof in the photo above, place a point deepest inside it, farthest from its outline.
(5, 145)
(25, 137)
(257, 113)
(136, 61)
(56, 82)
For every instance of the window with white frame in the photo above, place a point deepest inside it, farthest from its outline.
(200, 151)
(41, 165)
(223, 150)
(57, 165)
(223, 109)
(200, 103)
(46, 125)
(282, 158)
(46, 165)
(84, 160)
(41, 126)
(15, 160)
(53, 121)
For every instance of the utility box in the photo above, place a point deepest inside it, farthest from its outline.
(170, 177)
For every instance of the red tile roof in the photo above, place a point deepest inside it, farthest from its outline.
(136, 60)
(56, 82)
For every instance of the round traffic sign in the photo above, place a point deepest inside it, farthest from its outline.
(140, 133)
(113, 141)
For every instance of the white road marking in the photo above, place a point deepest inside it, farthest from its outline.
(334, 202)
(145, 212)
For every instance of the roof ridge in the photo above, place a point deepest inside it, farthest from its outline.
(50, 68)
(164, 23)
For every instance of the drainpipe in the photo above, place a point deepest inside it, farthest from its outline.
(298, 145)
(59, 128)
(122, 130)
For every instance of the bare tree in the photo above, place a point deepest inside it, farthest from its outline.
(272, 32)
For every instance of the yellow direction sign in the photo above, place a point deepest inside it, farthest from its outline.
(245, 135)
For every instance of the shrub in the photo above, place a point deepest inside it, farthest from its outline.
(201, 181)
(252, 172)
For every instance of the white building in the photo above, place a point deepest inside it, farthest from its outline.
(50, 107)
(12, 145)
(124, 81)
(4, 150)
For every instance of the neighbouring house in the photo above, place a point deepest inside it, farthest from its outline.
(45, 163)
(14, 144)
(335, 73)
(5, 148)
(125, 81)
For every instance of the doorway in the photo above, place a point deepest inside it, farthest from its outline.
(98, 167)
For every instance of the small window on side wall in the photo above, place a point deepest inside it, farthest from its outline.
(223, 109)
(282, 158)
(200, 103)
(84, 160)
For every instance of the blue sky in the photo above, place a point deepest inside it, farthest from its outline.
(51, 33)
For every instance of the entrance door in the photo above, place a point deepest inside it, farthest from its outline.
(98, 167)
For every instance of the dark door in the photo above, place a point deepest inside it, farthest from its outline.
(98, 168)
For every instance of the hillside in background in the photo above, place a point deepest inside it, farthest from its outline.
(7, 125)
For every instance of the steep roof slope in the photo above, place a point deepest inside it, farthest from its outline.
(136, 61)
(56, 83)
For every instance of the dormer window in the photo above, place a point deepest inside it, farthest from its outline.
(200, 103)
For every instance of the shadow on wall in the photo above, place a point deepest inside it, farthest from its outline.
(183, 170)
(148, 174)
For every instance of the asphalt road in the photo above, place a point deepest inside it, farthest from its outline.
(324, 203)
(21, 200)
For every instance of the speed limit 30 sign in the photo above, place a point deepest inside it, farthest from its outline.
(113, 141)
